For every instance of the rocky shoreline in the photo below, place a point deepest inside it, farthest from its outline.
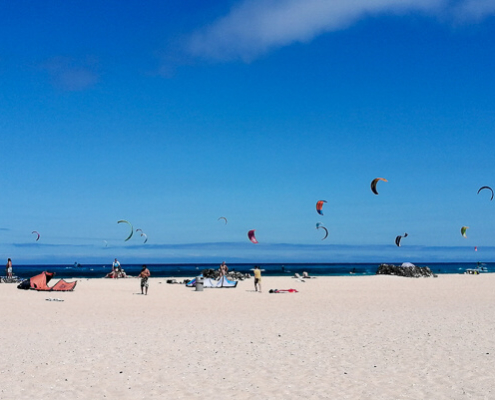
(409, 271)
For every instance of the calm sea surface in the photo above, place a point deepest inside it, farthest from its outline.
(191, 270)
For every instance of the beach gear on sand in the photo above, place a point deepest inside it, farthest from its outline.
(283, 291)
(223, 282)
(40, 283)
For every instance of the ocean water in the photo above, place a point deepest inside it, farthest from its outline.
(270, 269)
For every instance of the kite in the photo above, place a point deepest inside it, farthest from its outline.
(251, 236)
(318, 224)
(463, 231)
(486, 187)
(225, 219)
(38, 238)
(319, 206)
(374, 182)
(132, 229)
(399, 238)
(326, 230)
(146, 236)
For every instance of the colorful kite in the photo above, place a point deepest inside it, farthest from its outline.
(319, 206)
(251, 236)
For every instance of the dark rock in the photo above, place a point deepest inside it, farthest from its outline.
(410, 272)
(231, 275)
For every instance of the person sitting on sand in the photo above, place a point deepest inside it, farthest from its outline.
(111, 274)
(257, 278)
(144, 275)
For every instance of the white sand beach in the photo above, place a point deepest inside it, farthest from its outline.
(356, 337)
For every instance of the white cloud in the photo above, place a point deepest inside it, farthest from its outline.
(254, 27)
(71, 75)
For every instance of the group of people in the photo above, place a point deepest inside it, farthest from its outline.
(118, 272)
(223, 269)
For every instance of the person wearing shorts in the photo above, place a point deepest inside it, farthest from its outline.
(257, 278)
(144, 275)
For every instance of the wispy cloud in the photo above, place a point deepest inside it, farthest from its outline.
(254, 27)
(474, 9)
(71, 74)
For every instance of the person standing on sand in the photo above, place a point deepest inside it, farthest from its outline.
(223, 269)
(8, 268)
(257, 278)
(144, 275)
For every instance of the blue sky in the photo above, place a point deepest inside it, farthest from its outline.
(173, 114)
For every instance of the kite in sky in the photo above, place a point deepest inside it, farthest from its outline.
(463, 231)
(38, 238)
(486, 187)
(251, 236)
(123, 221)
(399, 238)
(374, 182)
(319, 206)
(326, 231)
(225, 219)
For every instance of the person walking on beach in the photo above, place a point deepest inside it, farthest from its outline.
(257, 278)
(144, 275)
(8, 268)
